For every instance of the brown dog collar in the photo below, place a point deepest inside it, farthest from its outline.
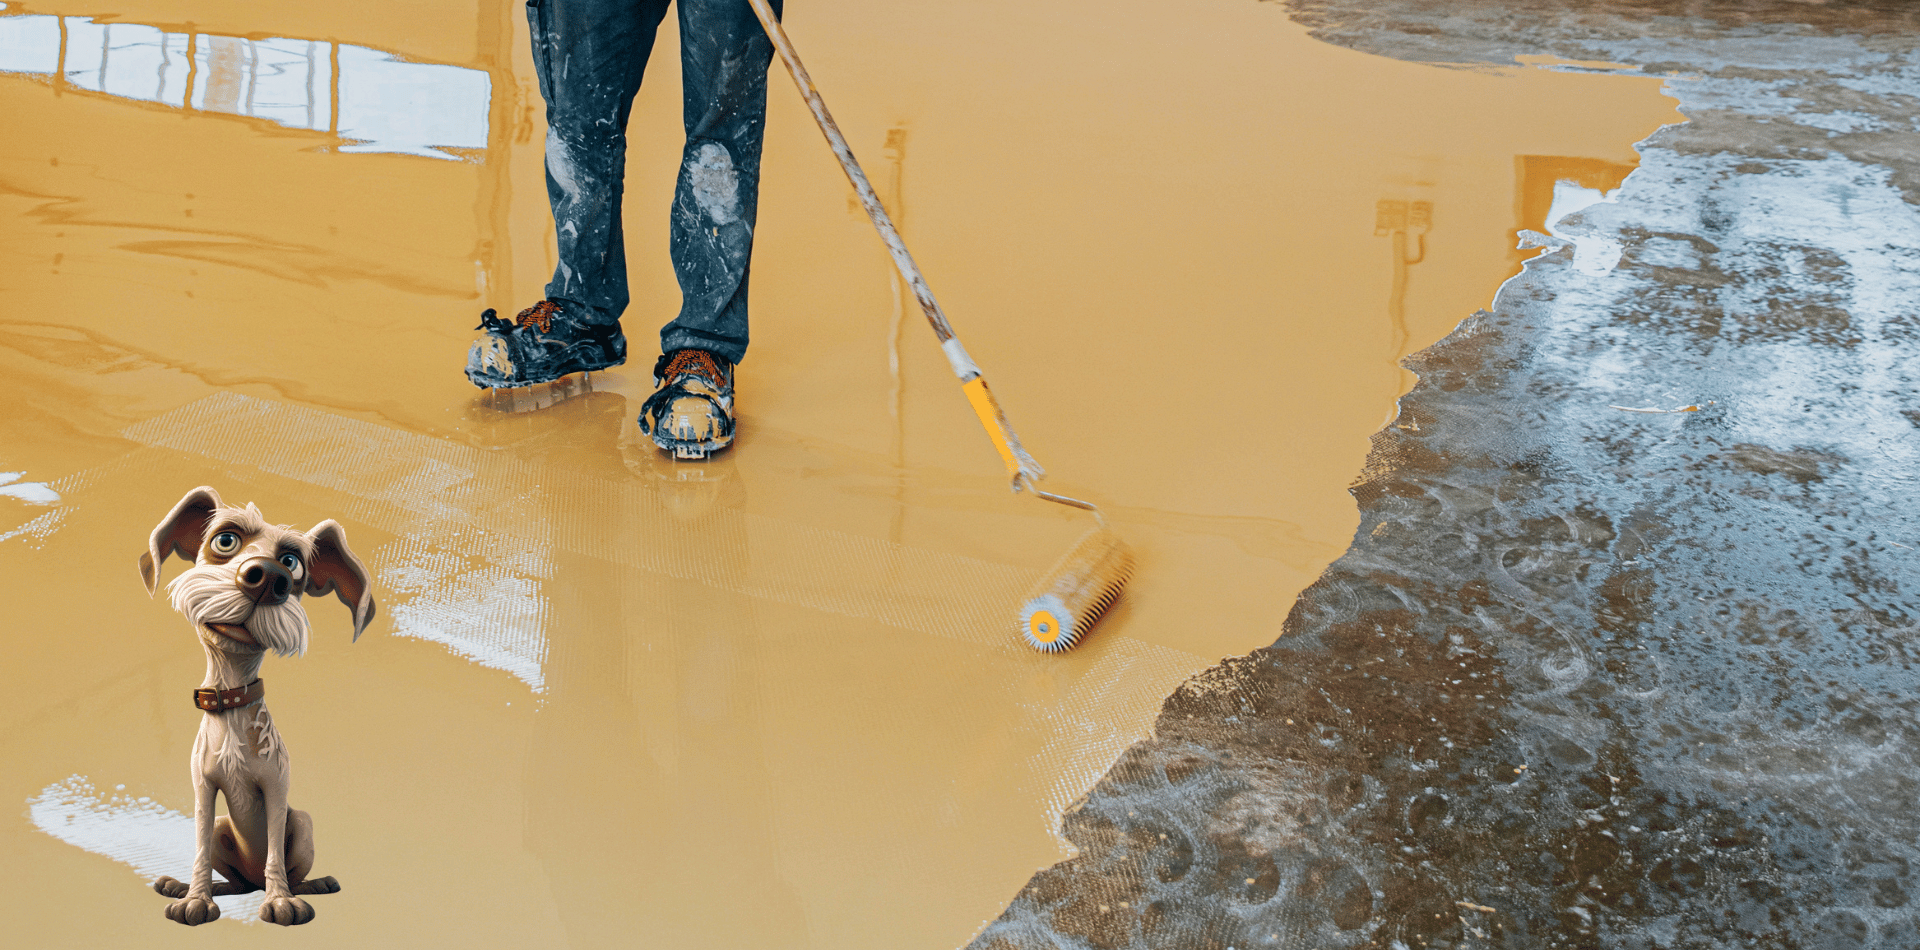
(215, 700)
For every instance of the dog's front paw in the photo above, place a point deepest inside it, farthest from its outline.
(318, 885)
(169, 887)
(193, 911)
(286, 911)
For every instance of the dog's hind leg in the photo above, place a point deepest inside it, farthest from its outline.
(225, 859)
(300, 856)
(171, 887)
(230, 862)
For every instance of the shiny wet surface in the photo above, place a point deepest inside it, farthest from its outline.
(774, 699)
(1622, 655)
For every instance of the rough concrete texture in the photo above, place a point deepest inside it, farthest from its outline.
(1591, 677)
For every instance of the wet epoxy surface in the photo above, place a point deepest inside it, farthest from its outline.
(775, 699)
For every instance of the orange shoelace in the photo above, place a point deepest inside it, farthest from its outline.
(696, 362)
(539, 316)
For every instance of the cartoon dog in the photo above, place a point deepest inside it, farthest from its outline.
(243, 597)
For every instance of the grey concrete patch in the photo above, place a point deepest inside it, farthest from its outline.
(1591, 677)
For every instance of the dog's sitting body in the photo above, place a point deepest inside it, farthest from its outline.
(243, 597)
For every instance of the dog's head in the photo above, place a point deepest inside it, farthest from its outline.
(243, 591)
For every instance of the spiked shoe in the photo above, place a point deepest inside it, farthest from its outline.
(691, 410)
(543, 343)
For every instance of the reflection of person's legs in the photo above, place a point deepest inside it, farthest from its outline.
(590, 55)
(723, 60)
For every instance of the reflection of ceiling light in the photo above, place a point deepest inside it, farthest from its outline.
(385, 104)
(33, 493)
(480, 608)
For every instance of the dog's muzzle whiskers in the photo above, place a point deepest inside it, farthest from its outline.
(208, 594)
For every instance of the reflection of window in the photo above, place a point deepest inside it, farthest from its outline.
(397, 106)
(29, 44)
(1554, 186)
(384, 104)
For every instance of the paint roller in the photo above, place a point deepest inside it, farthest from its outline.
(1069, 599)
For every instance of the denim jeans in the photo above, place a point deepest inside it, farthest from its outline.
(590, 56)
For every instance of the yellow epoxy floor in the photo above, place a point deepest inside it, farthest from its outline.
(776, 699)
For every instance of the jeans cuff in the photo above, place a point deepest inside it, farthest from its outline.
(675, 339)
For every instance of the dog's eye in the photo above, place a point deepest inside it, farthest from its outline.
(291, 562)
(226, 542)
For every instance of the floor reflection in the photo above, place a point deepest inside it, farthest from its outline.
(370, 98)
(1407, 224)
(29, 500)
(140, 833)
(32, 493)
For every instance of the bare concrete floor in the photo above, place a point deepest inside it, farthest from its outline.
(1623, 653)
(774, 700)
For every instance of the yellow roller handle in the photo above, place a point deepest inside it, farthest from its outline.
(994, 421)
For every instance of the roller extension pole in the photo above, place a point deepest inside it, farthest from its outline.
(1071, 597)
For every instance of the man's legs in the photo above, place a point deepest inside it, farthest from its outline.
(724, 56)
(589, 56)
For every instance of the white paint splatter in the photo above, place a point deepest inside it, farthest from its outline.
(716, 185)
(560, 166)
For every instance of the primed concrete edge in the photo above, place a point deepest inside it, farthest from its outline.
(1589, 677)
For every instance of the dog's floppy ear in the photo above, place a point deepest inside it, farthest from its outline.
(180, 532)
(335, 570)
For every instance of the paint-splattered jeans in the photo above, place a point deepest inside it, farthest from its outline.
(590, 55)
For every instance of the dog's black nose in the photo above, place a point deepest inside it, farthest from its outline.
(265, 580)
